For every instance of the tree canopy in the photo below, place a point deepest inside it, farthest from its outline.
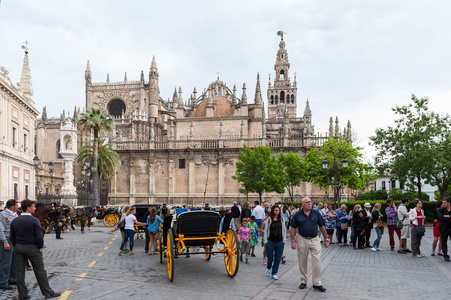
(293, 169)
(108, 159)
(258, 171)
(417, 148)
(356, 175)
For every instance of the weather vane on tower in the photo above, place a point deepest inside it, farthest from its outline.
(281, 33)
(25, 46)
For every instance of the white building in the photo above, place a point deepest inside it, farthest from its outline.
(386, 183)
(17, 131)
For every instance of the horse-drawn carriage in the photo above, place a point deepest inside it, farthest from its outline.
(110, 216)
(199, 229)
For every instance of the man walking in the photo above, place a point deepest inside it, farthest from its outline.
(392, 219)
(236, 215)
(305, 223)
(403, 215)
(28, 240)
(444, 214)
(7, 262)
(259, 214)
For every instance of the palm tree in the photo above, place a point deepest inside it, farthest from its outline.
(107, 161)
(97, 120)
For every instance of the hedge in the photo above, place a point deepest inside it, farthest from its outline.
(427, 206)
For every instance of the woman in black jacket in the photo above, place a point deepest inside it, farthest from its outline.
(359, 223)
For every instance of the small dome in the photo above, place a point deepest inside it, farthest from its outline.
(223, 107)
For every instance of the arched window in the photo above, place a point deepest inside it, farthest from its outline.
(272, 99)
(282, 74)
(116, 107)
(292, 99)
(277, 100)
(282, 97)
(219, 91)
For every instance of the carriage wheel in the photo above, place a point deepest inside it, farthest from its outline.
(231, 255)
(110, 220)
(161, 248)
(79, 223)
(207, 249)
(170, 255)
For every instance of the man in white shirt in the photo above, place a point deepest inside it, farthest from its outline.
(403, 215)
(259, 214)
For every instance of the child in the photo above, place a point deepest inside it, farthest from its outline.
(252, 225)
(153, 221)
(243, 238)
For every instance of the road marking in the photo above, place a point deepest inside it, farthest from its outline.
(110, 243)
(82, 275)
(100, 254)
(114, 239)
(65, 295)
(106, 248)
(92, 263)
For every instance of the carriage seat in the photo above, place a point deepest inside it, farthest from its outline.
(198, 223)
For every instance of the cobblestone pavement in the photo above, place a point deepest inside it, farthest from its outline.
(88, 267)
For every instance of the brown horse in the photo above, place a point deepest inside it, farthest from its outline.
(42, 213)
(84, 215)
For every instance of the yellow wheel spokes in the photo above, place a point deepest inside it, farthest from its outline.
(170, 255)
(231, 254)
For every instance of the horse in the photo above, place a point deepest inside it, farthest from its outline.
(42, 214)
(84, 215)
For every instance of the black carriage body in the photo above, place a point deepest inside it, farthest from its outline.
(197, 224)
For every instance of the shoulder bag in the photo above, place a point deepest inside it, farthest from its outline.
(399, 223)
(419, 230)
(121, 225)
(344, 226)
(379, 224)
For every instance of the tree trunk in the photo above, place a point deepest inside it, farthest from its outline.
(95, 177)
(419, 186)
(260, 196)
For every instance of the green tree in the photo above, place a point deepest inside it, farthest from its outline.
(440, 174)
(95, 120)
(107, 161)
(294, 169)
(258, 171)
(412, 149)
(356, 176)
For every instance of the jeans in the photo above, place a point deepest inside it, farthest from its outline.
(274, 251)
(259, 224)
(352, 234)
(128, 234)
(379, 232)
(342, 234)
(7, 265)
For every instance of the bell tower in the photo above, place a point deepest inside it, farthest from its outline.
(282, 94)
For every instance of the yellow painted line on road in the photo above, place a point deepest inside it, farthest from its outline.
(110, 243)
(65, 295)
(92, 263)
(100, 254)
(106, 248)
(114, 239)
(82, 275)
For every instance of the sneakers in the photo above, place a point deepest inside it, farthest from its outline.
(379, 249)
(373, 249)
(125, 251)
(419, 255)
(392, 248)
(268, 272)
(274, 276)
(247, 261)
(264, 261)
(253, 255)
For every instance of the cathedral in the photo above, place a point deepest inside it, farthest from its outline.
(182, 151)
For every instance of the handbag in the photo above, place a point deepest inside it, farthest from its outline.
(399, 223)
(379, 224)
(419, 230)
(121, 225)
(344, 226)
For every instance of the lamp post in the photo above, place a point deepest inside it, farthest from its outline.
(36, 162)
(336, 172)
(87, 173)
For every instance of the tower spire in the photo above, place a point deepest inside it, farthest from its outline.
(244, 96)
(88, 74)
(258, 92)
(25, 79)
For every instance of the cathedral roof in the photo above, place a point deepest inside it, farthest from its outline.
(223, 107)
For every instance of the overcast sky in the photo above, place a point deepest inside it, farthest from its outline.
(353, 59)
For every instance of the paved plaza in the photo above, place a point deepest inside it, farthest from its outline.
(88, 267)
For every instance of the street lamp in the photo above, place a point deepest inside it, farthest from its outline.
(36, 162)
(336, 171)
